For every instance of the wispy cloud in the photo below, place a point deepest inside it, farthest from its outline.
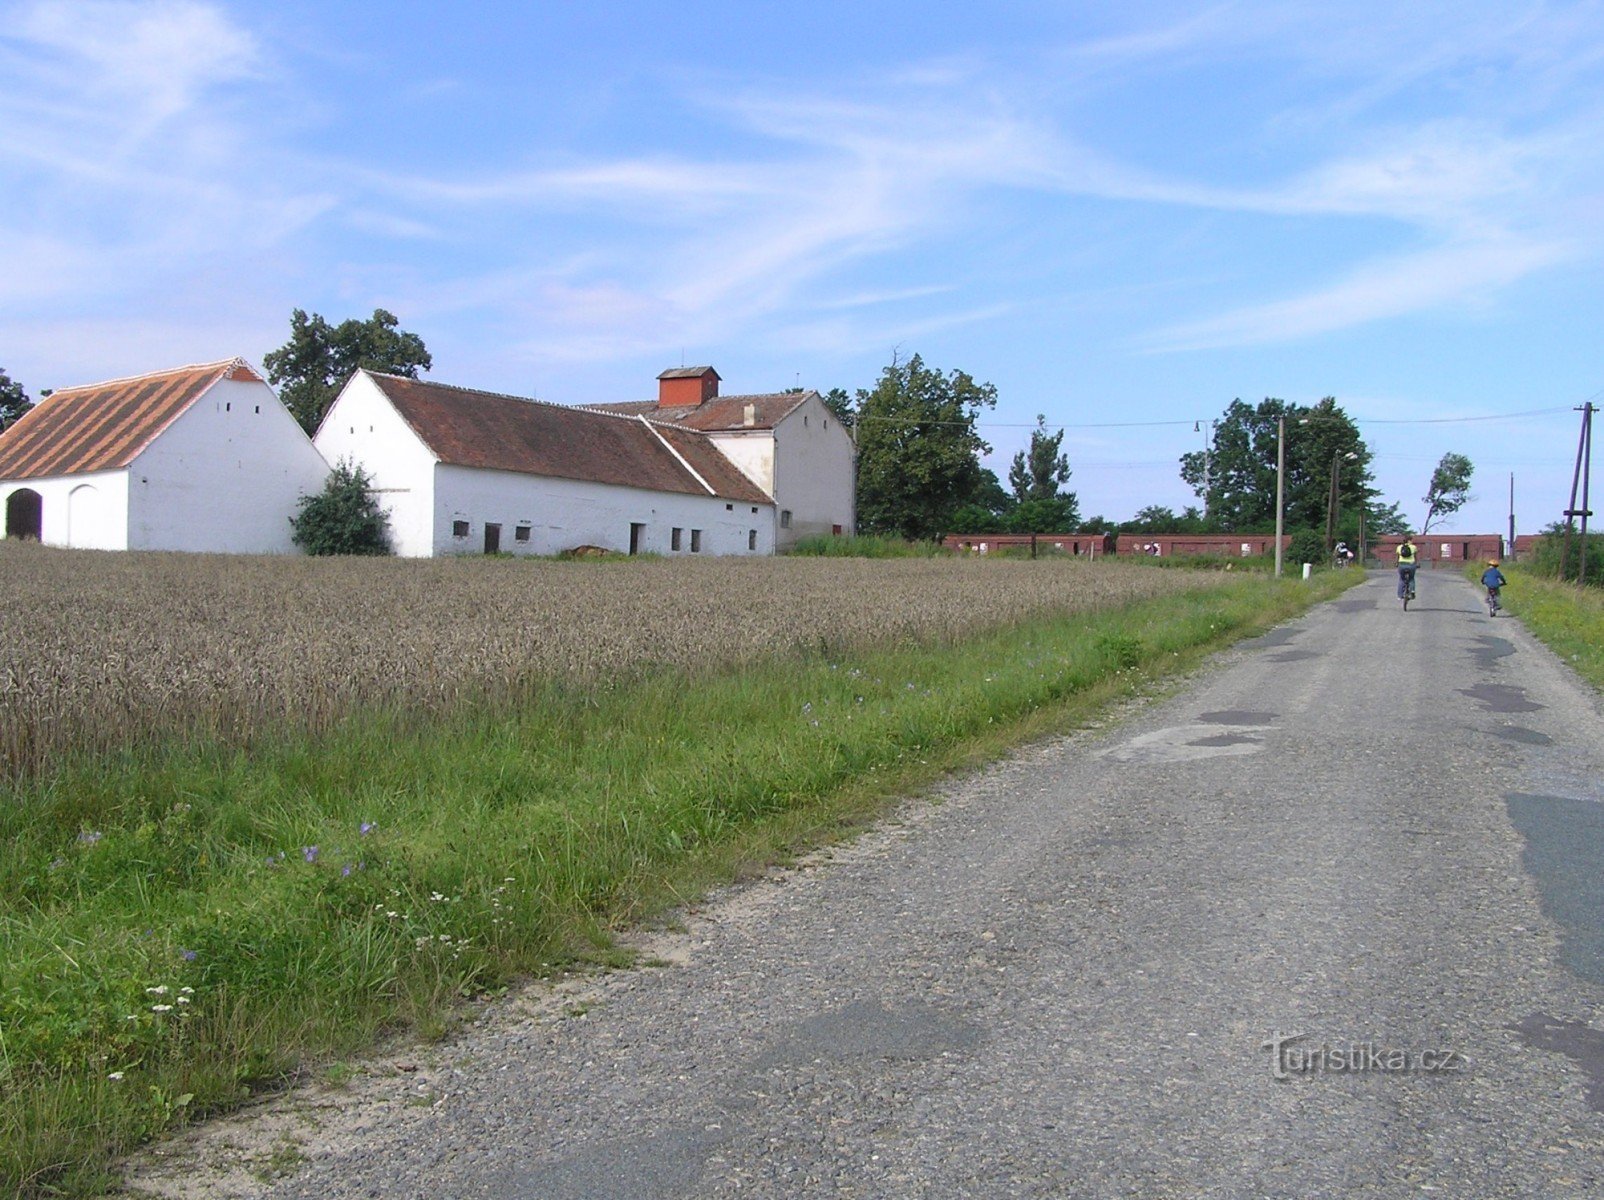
(1452, 276)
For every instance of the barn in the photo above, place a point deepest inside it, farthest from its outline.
(198, 458)
(460, 471)
(788, 443)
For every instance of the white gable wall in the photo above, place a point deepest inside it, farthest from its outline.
(815, 477)
(89, 512)
(752, 452)
(224, 477)
(564, 513)
(363, 427)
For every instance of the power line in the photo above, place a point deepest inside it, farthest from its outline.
(1346, 419)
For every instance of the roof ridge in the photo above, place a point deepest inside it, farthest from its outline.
(592, 410)
(237, 360)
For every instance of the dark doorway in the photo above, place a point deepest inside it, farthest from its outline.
(25, 510)
(636, 532)
(492, 538)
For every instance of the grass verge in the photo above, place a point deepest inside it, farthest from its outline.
(1565, 617)
(186, 927)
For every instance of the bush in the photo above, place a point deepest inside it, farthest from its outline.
(1308, 546)
(344, 518)
(1546, 554)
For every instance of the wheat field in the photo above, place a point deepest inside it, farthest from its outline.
(107, 651)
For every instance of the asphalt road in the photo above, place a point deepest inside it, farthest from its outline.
(1324, 922)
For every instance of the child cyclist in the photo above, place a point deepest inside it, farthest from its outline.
(1492, 579)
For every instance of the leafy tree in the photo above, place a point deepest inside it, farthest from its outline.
(987, 510)
(1036, 476)
(918, 449)
(344, 518)
(1155, 518)
(1449, 490)
(1240, 486)
(1379, 521)
(1098, 525)
(838, 402)
(312, 367)
(13, 400)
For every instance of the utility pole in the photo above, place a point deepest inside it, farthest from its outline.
(1280, 485)
(1584, 467)
(1331, 505)
(1510, 553)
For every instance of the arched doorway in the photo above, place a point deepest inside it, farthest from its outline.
(25, 510)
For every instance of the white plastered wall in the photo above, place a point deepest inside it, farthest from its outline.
(814, 474)
(225, 477)
(562, 514)
(363, 427)
(752, 452)
(88, 512)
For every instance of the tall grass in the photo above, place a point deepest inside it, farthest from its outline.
(865, 545)
(1566, 617)
(188, 924)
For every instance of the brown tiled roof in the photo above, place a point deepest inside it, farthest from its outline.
(720, 414)
(467, 428)
(686, 372)
(104, 426)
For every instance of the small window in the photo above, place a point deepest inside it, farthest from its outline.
(827, 423)
(521, 533)
(804, 420)
(754, 509)
(751, 539)
(258, 410)
(459, 529)
(696, 541)
(785, 518)
(729, 508)
(674, 538)
(229, 406)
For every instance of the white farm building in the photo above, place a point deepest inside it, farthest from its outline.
(788, 443)
(469, 472)
(201, 458)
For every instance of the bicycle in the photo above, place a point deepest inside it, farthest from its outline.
(1408, 592)
(1493, 605)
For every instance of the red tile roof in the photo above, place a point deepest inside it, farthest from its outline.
(104, 426)
(718, 415)
(468, 428)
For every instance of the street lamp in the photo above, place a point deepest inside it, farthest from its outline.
(1337, 459)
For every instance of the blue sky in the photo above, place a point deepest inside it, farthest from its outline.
(1123, 216)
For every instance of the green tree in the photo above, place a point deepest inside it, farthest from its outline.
(1449, 490)
(1237, 479)
(988, 509)
(838, 402)
(310, 369)
(1379, 521)
(13, 400)
(344, 518)
(918, 449)
(1036, 475)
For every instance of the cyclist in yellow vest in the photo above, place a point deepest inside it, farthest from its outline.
(1406, 567)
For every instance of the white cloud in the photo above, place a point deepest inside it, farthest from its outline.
(123, 67)
(1452, 276)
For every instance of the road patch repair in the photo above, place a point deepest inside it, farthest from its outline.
(1204, 738)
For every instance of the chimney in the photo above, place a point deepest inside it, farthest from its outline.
(749, 415)
(686, 387)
